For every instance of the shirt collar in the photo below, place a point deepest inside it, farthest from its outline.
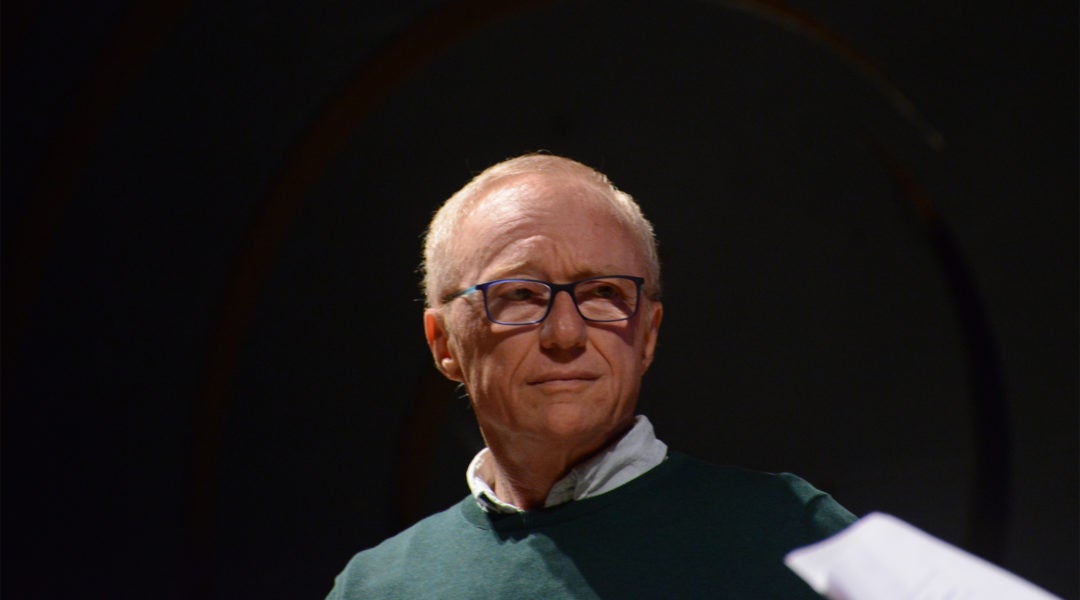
(631, 456)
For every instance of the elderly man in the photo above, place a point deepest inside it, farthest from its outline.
(574, 496)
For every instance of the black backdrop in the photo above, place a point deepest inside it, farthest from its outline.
(214, 378)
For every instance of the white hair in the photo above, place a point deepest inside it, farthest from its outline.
(441, 274)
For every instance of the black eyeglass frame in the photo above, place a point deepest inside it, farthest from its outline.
(555, 288)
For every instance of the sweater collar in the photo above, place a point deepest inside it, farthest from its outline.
(629, 457)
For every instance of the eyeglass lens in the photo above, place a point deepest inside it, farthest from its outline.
(602, 299)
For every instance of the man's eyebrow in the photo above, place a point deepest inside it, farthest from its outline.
(513, 270)
(527, 270)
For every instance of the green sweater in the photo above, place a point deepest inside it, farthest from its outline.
(685, 529)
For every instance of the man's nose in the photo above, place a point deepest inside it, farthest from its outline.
(564, 328)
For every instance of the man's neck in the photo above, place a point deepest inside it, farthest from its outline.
(523, 475)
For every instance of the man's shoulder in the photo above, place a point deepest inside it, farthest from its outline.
(774, 496)
(448, 523)
(696, 472)
(380, 568)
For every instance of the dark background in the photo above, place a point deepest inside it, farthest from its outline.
(214, 377)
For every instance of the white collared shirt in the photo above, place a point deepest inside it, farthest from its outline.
(631, 456)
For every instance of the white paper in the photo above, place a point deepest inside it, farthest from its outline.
(880, 557)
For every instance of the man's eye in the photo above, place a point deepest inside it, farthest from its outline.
(606, 291)
(519, 294)
(602, 291)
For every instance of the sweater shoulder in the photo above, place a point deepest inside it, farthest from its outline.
(776, 494)
(376, 568)
(448, 523)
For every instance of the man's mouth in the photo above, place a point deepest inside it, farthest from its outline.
(568, 378)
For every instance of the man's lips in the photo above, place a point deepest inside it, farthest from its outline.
(569, 377)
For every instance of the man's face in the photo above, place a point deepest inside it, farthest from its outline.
(563, 380)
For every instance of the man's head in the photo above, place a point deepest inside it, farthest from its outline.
(442, 264)
(564, 379)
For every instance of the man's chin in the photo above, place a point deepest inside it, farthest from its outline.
(578, 421)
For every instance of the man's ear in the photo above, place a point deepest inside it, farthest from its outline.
(438, 339)
(653, 316)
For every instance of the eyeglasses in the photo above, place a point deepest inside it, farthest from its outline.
(528, 301)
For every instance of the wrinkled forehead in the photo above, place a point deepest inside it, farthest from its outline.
(535, 200)
(535, 224)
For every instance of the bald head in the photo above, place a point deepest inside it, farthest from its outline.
(443, 266)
